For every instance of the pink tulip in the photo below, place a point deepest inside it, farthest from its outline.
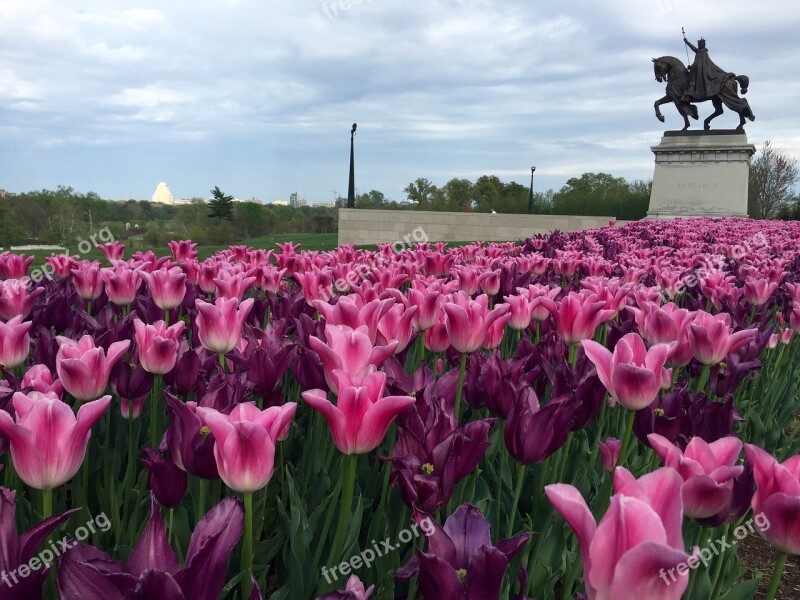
(429, 307)
(122, 284)
(468, 321)
(396, 325)
(490, 283)
(757, 290)
(632, 374)
(14, 266)
(349, 350)
(495, 332)
(15, 299)
(219, 325)
(436, 338)
(542, 300)
(361, 416)
(638, 542)
(167, 286)
(578, 315)
(353, 312)
(208, 272)
(233, 285)
(609, 452)
(183, 251)
(520, 309)
(87, 280)
(15, 342)
(61, 265)
(245, 442)
(39, 379)
(708, 471)
(158, 345)
(712, 339)
(83, 368)
(777, 499)
(316, 285)
(112, 251)
(48, 443)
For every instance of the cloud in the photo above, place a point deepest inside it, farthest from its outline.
(266, 91)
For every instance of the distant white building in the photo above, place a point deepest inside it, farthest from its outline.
(163, 195)
(280, 203)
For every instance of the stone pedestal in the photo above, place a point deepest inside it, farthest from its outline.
(701, 174)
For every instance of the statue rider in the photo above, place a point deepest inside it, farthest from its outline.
(706, 79)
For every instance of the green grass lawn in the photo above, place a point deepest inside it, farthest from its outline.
(308, 241)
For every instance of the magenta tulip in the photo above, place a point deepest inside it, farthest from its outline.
(219, 325)
(122, 284)
(708, 471)
(158, 345)
(362, 415)
(83, 368)
(15, 342)
(468, 321)
(637, 543)
(632, 374)
(39, 379)
(16, 299)
(349, 350)
(48, 442)
(777, 499)
(167, 286)
(712, 339)
(87, 279)
(245, 442)
(609, 452)
(183, 250)
(112, 251)
(578, 315)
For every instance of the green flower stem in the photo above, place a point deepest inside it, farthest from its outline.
(776, 576)
(626, 439)
(247, 546)
(47, 512)
(201, 499)
(701, 383)
(521, 470)
(155, 406)
(573, 349)
(222, 362)
(461, 370)
(349, 463)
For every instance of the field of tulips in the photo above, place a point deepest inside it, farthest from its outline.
(578, 415)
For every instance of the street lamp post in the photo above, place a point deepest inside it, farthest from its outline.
(530, 198)
(351, 188)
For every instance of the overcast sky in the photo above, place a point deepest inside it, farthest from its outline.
(258, 96)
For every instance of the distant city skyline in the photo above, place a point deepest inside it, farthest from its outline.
(258, 97)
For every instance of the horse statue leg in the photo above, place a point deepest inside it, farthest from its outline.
(659, 102)
(717, 112)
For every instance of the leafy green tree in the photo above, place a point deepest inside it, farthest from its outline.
(458, 194)
(424, 194)
(773, 175)
(601, 194)
(221, 205)
(371, 199)
(488, 192)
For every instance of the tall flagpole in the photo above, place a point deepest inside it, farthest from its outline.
(351, 188)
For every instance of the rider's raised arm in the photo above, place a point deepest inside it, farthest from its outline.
(688, 43)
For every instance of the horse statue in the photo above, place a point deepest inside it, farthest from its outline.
(701, 82)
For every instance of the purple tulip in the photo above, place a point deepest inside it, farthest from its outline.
(153, 570)
(533, 432)
(19, 550)
(433, 453)
(461, 562)
(167, 481)
(188, 439)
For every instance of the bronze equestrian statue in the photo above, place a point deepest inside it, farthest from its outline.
(702, 81)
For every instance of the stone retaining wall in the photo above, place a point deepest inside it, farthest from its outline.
(367, 226)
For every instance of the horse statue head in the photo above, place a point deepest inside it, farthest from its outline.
(667, 67)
